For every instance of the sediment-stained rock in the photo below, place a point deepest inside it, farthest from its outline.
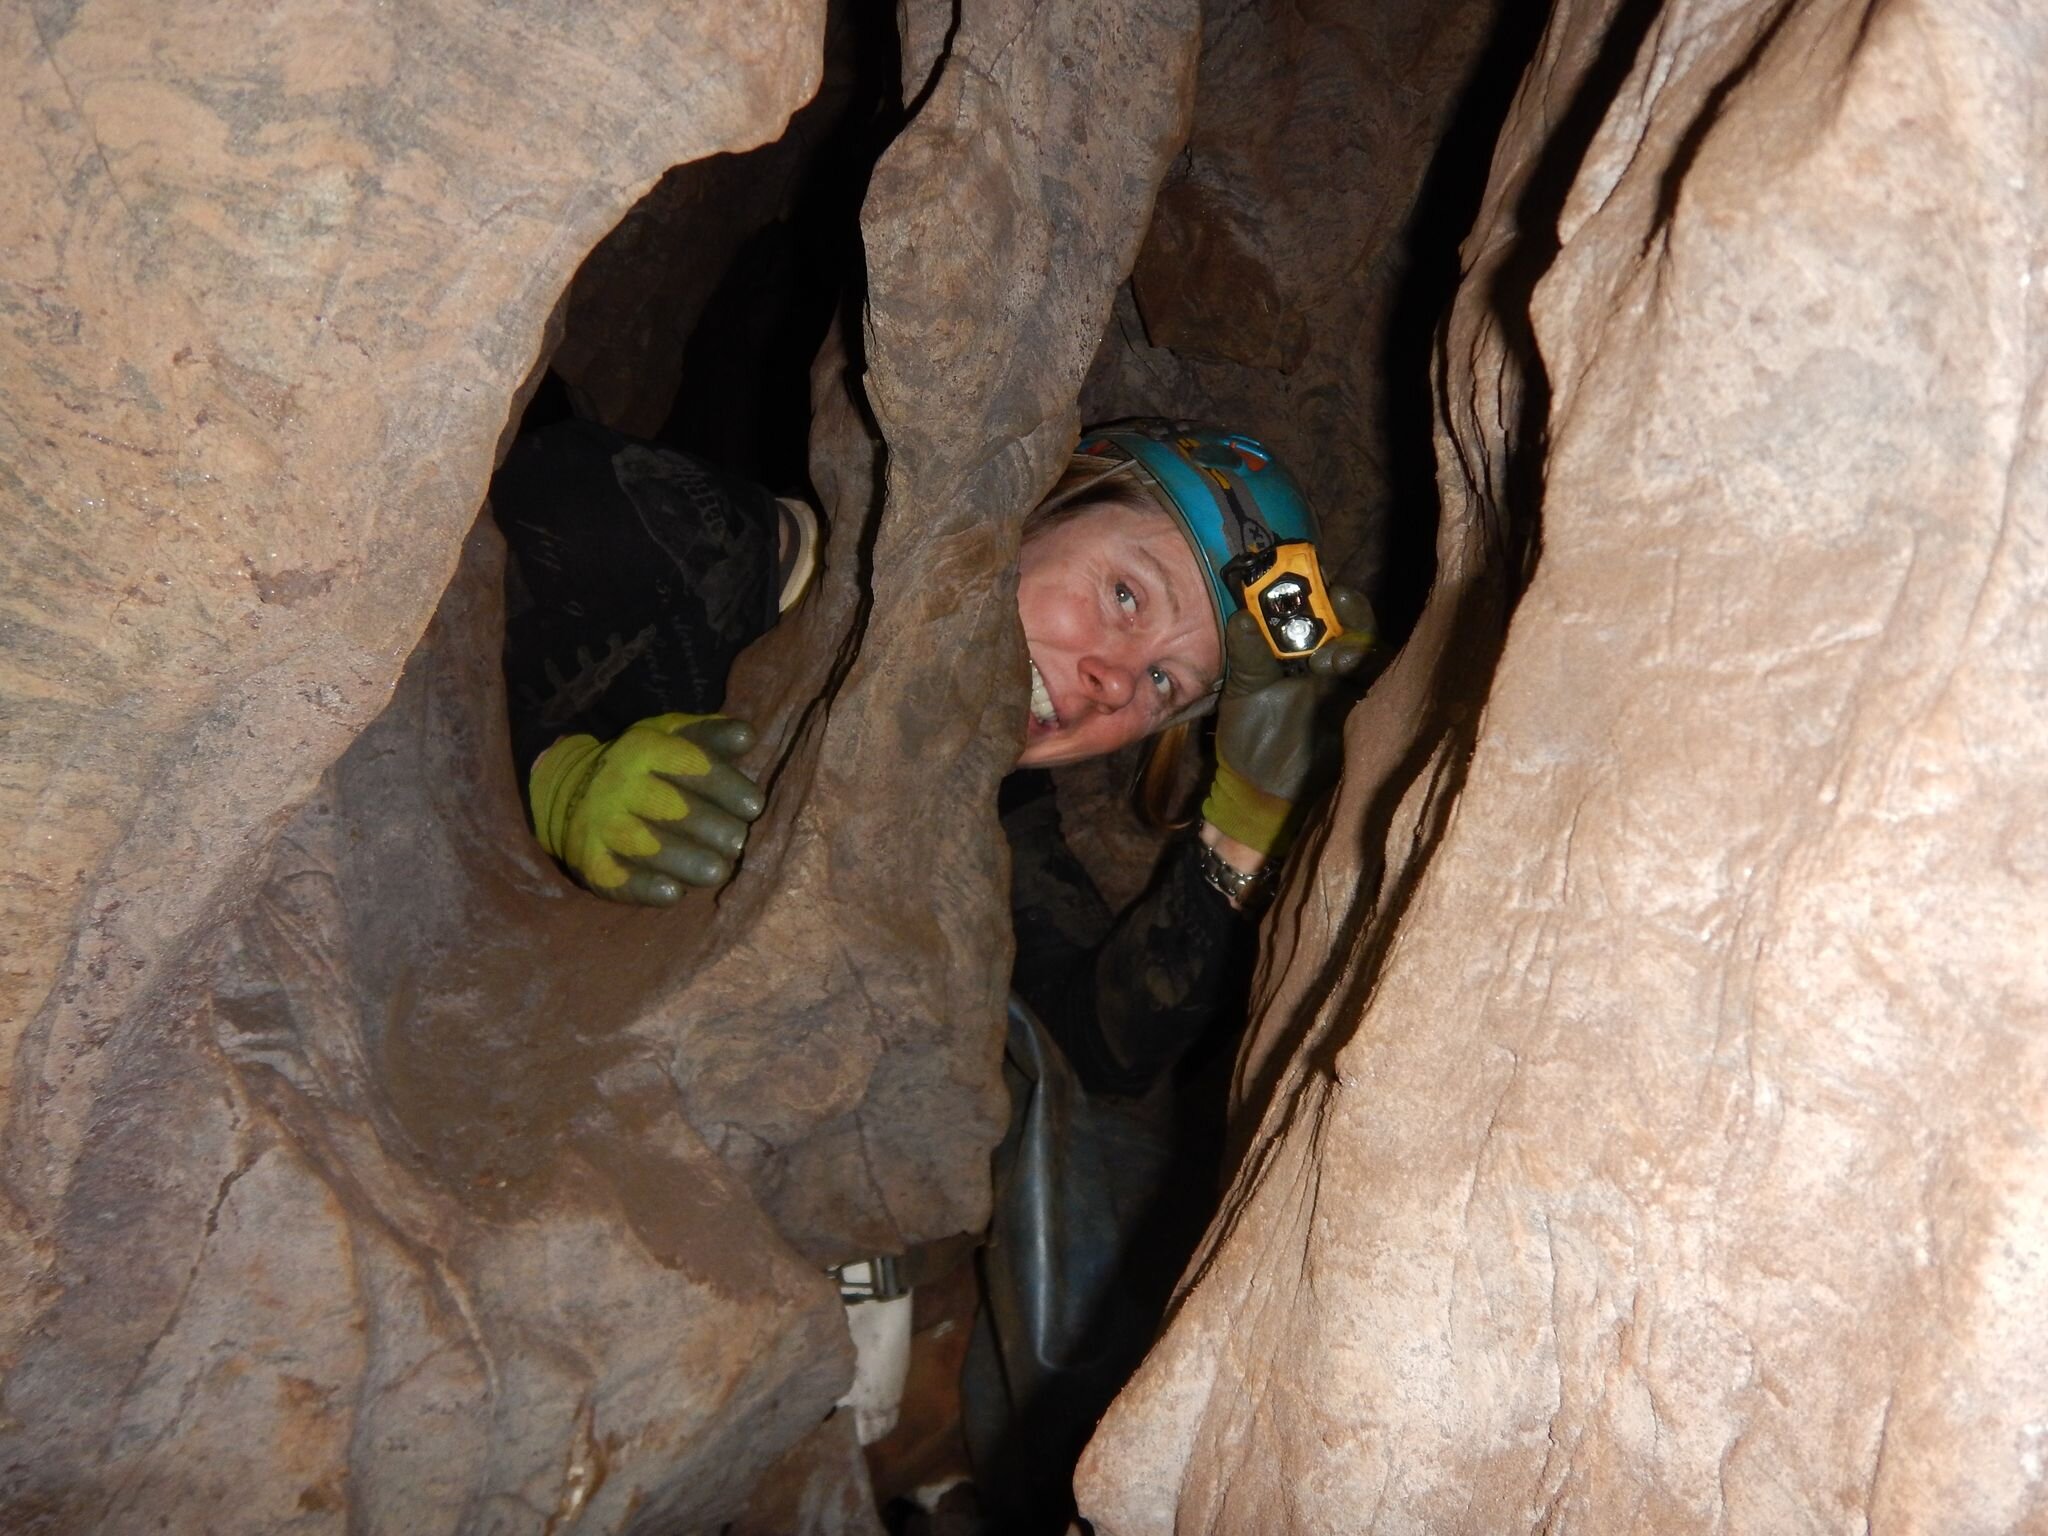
(272, 283)
(860, 1101)
(1666, 1154)
(723, 276)
(362, 1173)
(273, 280)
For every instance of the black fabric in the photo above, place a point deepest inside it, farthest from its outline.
(1107, 1176)
(1059, 1329)
(638, 575)
(1126, 997)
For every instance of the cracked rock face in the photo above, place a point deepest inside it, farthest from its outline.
(1678, 1166)
(361, 1173)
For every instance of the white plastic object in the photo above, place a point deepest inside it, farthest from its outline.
(881, 1364)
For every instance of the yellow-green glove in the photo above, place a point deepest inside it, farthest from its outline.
(1275, 738)
(657, 808)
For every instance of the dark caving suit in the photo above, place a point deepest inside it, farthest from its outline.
(637, 576)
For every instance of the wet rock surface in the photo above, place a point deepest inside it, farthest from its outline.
(1676, 1166)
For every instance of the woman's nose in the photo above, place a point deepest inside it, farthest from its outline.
(1106, 683)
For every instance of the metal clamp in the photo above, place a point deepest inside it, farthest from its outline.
(880, 1278)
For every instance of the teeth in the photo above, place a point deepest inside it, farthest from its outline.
(1041, 701)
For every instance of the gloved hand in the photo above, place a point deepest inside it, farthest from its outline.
(1273, 753)
(658, 805)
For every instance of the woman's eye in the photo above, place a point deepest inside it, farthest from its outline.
(1125, 599)
(1162, 681)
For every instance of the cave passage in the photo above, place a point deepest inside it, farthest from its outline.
(688, 343)
(694, 325)
(692, 331)
(1629, 1112)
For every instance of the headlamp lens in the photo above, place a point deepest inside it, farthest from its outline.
(1285, 608)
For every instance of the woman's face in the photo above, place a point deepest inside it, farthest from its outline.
(1120, 628)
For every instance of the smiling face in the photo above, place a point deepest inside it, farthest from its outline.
(1119, 625)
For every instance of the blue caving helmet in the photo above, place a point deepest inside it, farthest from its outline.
(1226, 489)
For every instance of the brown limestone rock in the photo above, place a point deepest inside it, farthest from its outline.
(362, 1172)
(1677, 1166)
(388, 1226)
(272, 278)
(630, 311)
(718, 235)
(1275, 267)
(838, 1039)
(818, 1488)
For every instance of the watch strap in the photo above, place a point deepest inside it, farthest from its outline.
(1244, 890)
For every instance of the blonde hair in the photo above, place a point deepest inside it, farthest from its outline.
(1163, 789)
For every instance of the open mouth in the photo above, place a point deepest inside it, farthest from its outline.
(1042, 712)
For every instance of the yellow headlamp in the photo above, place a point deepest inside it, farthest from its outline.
(1283, 584)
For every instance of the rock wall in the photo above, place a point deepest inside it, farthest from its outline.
(1652, 1068)
(861, 1103)
(361, 1173)
(1303, 248)
(1644, 1110)
(273, 281)
(1336, 159)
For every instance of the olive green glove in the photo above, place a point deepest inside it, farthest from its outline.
(1275, 743)
(658, 805)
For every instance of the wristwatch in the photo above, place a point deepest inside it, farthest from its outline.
(1243, 889)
